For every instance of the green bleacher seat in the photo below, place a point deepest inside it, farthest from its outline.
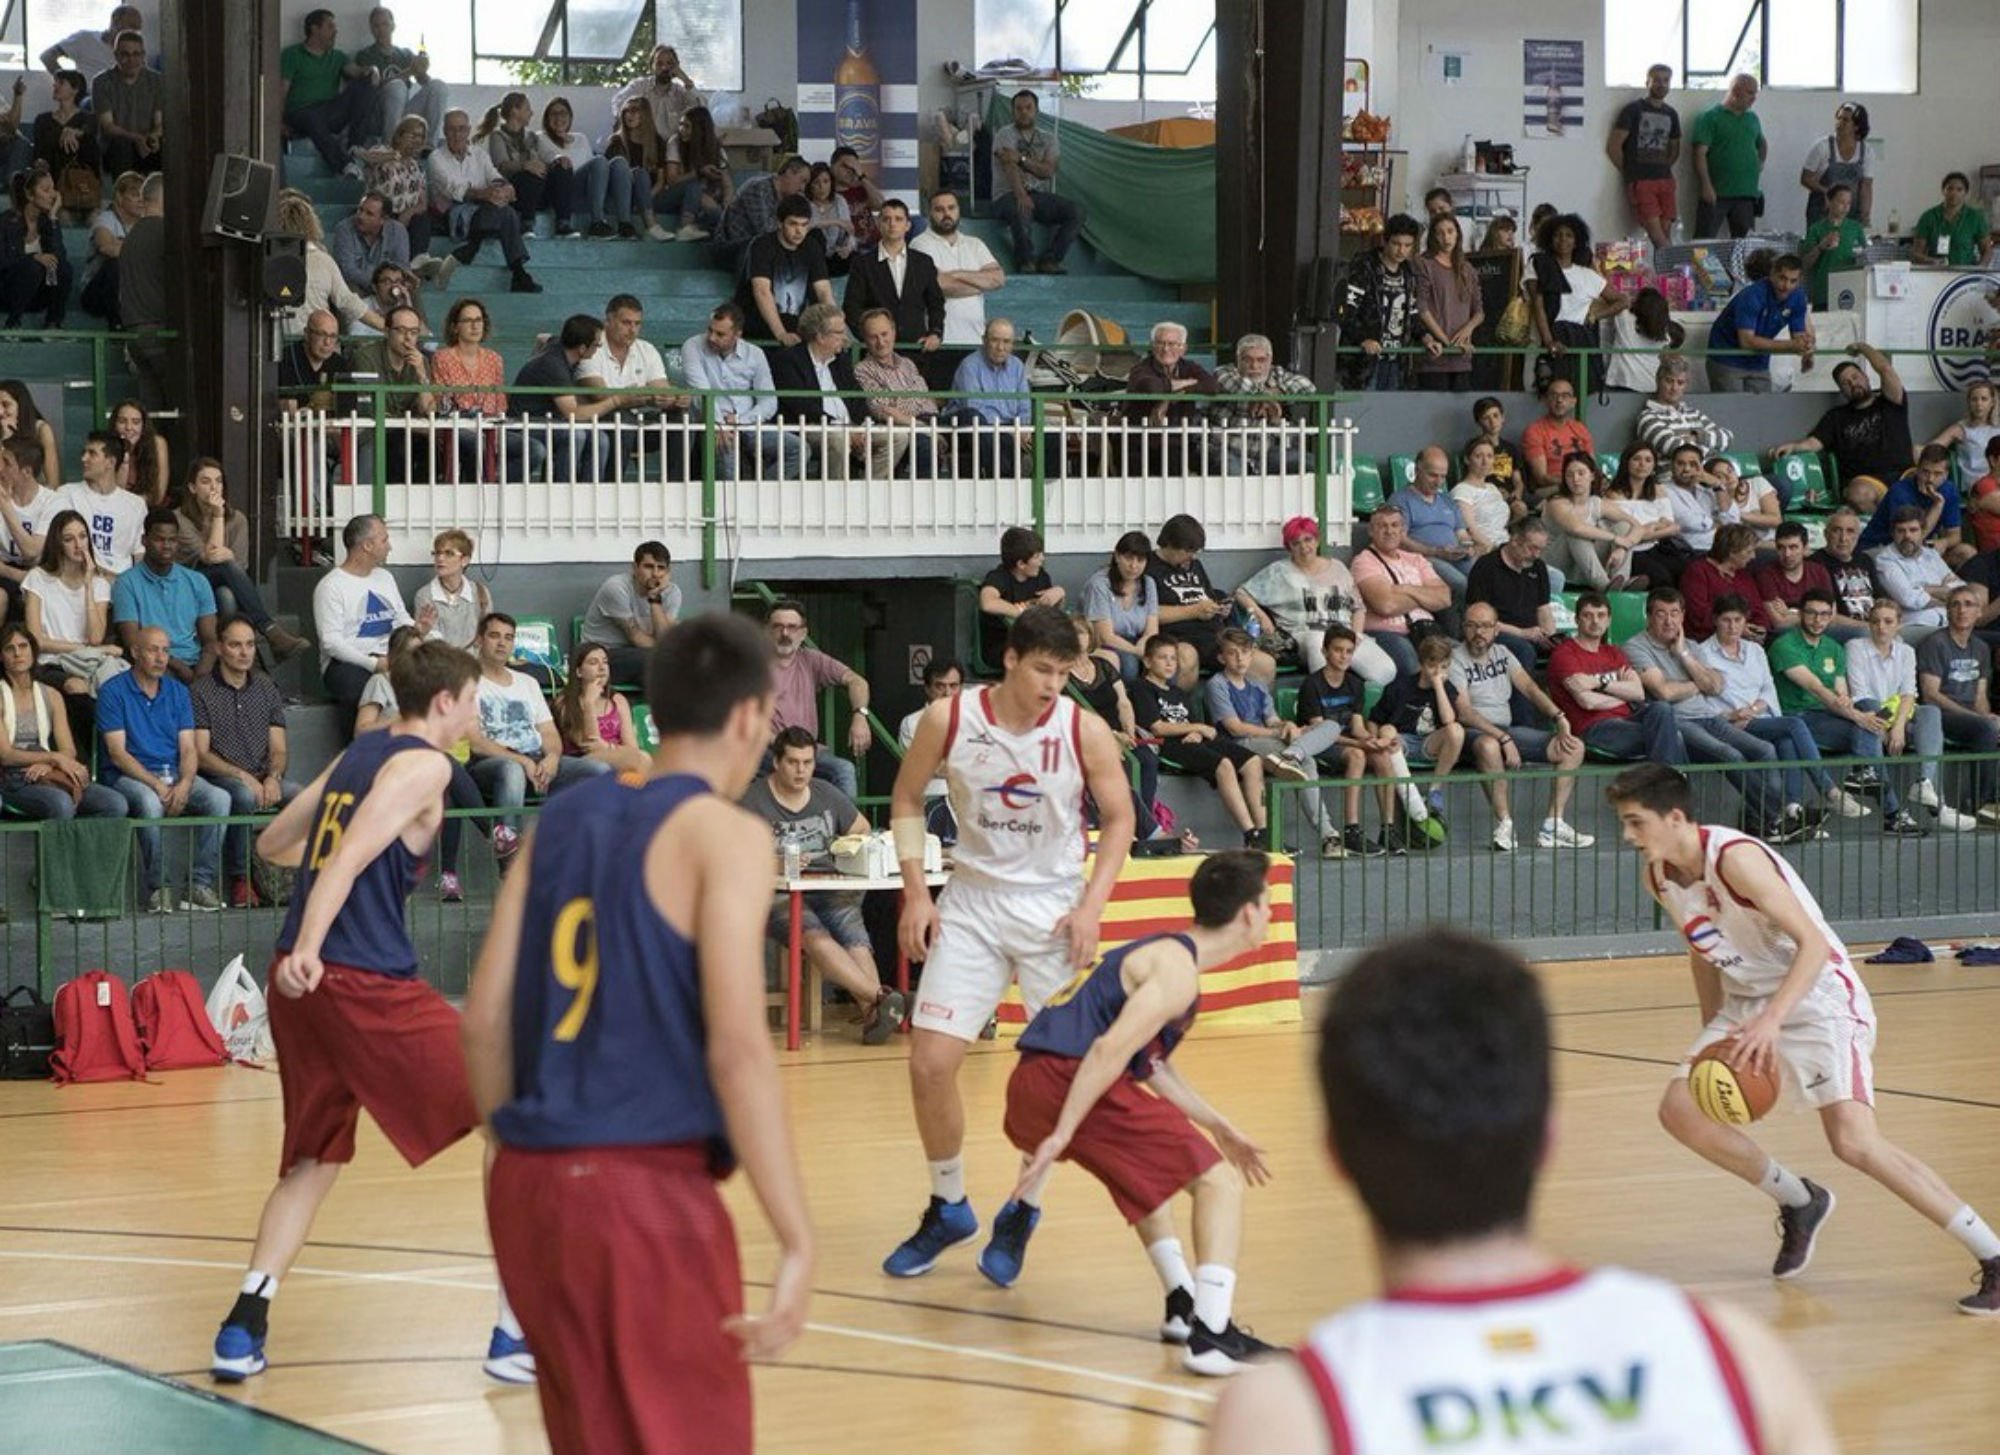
(1366, 492)
(1607, 464)
(1628, 614)
(1371, 693)
(1805, 476)
(642, 726)
(536, 640)
(1287, 701)
(1746, 462)
(1402, 472)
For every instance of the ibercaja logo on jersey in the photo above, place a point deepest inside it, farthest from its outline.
(1962, 319)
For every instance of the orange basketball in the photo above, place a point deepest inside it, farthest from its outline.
(1733, 1096)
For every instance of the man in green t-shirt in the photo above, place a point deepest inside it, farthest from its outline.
(1834, 243)
(1952, 233)
(1810, 668)
(1729, 162)
(324, 96)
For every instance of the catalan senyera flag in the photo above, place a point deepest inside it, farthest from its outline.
(1260, 988)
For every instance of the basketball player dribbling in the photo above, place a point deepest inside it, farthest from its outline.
(1076, 1096)
(1017, 758)
(616, 1039)
(1771, 975)
(1434, 1074)
(355, 1027)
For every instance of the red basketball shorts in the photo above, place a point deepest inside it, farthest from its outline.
(379, 1042)
(1143, 1149)
(621, 1265)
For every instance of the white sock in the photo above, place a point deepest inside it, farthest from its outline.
(1171, 1264)
(1413, 801)
(509, 1325)
(1214, 1292)
(1970, 1229)
(948, 1179)
(1782, 1187)
(264, 1286)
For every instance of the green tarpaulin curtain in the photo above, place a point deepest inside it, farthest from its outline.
(1150, 210)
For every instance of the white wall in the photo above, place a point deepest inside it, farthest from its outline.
(1924, 135)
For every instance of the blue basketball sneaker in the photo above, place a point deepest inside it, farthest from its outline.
(509, 1359)
(1000, 1260)
(238, 1354)
(945, 1224)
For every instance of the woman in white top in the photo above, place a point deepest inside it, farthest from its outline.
(1568, 295)
(325, 288)
(1485, 506)
(1841, 160)
(1640, 335)
(1652, 558)
(1755, 498)
(1969, 435)
(68, 600)
(602, 189)
(1298, 596)
(1585, 540)
(40, 773)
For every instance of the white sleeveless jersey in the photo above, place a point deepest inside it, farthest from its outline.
(1600, 1363)
(1018, 797)
(1744, 944)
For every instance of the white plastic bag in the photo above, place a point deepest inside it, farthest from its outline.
(241, 1017)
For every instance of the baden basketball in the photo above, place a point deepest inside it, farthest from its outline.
(1734, 1096)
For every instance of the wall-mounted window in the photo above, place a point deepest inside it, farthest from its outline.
(1849, 46)
(1115, 50)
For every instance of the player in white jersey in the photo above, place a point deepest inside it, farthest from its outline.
(1434, 1069)
(1769, 973)
(1017, 758)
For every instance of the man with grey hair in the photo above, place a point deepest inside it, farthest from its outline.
(819, 364)
(1729, 153)
(1401, 589)
(1251, 394)
(1667, 419)
(1168, 371)
(993, 407)
(1436, 526)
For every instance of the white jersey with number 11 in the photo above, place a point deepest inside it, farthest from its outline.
(1018, 797)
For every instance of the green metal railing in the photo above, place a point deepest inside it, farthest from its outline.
(99, 341)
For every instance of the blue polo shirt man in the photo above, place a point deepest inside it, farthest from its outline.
(1748, 329)
(160, 592)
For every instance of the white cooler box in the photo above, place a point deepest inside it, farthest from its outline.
(873, 856)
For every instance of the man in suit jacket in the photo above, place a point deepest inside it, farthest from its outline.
(900, 279)
(835, 428)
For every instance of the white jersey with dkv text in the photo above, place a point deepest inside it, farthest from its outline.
(1606, 1362)
(1018, 797)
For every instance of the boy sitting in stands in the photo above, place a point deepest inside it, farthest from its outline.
(1197, 749)
(1417, 717)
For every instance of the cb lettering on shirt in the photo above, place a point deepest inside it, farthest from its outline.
(334, 811)
(1562, 1405)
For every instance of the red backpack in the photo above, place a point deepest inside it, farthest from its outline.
(95, 1037)
(175, 1033)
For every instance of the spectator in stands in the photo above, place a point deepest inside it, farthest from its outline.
(626, 361)
(1252, 410)
(1983, 503)
(1434, 525)
(25, 511)
(1192, 611)
(602, 194)
(213, 538)
(1569, 298)
(559, 433)
(160, 592)
(516, 749)
(1586, 528)
(1810, 669)
(64, 135)
(1513, 584)
(471, 201)
(1245, 710)
(517, 152)
(1882, 680)
(1495, 696)
(129, 102)
(1724, 571)
(1378, 309)
(1914, 575)
(412, 440)
(1955, 675)
(1699, 503)
(1833, 243)
(1851, 571)
(943, 677)
(837, 440)
(20, 419)
(967, 270)
(1167, 370)
(594, 719)
(1951, 232)
(239, 741)
(1729, 153)
(631, 611)
(753, 212)
(699, 185)
(1295, 598)
(312, 364)
(34, 270)
(1027, 157)
(1784, 582)
(807, 816)
(401, 77)
(1746, 333)
(367, 238)
(1972, 434)
(1336, 739)
(41, 776)
(863, 198)
(116, 517)
(323, 96)
(67, 602)
(797, 676)
(1929, 489)
(471, 373)
(92, 51)
(1094, 677)
(1595, 688)
(1121, 601)
(455, 602)
(1644, 145)
(784, 272)
(142, 300)
(17, 148)
(325, 287)
(1421, 710)
(146, 457)
(832, 219)
(634, 142)
(1752, 697)
(1489, 417)
(1868, 434)
(1197, 749)
(1398, 587)
(1449, 307)
(1488, 510)
(993, 385)
(1754, 498)
(883, 373)
(145, 725)
(395, 171)
(1654, 553)
(1837, 160)
(1667, 421)
(1020, 581)
(1552, 439)
(355, 608)
(667, 91)
(99, 297)
(900, 279)
(720, 360)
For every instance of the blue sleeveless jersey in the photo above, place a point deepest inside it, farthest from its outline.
(609, 1045)
(1084, 1009)
(369, 931)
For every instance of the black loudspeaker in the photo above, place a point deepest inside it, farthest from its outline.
(284, 270)
(239, 198)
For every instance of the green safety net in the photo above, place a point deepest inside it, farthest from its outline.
(1150, 210)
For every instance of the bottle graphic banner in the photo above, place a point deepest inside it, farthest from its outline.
(1552, 88)
(858, 86)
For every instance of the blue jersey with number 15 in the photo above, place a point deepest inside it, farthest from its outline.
(609, 1045)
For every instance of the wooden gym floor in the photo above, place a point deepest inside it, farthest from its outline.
(127, 1211)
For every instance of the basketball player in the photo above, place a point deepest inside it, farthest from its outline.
(1434, 1072)
(354, 1026)
(1076, 1096)
(1770, 974)
(1016, 758)
(616, 1039)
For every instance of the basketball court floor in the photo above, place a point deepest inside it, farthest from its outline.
(127, 1211)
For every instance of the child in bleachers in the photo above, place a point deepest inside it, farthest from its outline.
(1198, 749)
(1335, 736)
(1417, 717)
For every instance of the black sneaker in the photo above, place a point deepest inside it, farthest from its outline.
(1179, 1320)
(1225, 1353)
(1359, 845)
(1256, 838)
(1798, 1229)
(1903, 825)
(1981, 1305)
(1392, 840)
(1863, 780)
(524, 282)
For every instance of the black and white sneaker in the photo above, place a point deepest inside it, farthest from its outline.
(1902, 824)
(1798, 1230)
(1222, 1354)
(1179, 1322)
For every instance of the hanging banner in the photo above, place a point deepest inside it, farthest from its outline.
(858, 86)
(1552, 88)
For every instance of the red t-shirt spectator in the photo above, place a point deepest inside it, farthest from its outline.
(1703, 583)
(1773, 586)
(1985, 524)
(1569, 659)
(1546, 441)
